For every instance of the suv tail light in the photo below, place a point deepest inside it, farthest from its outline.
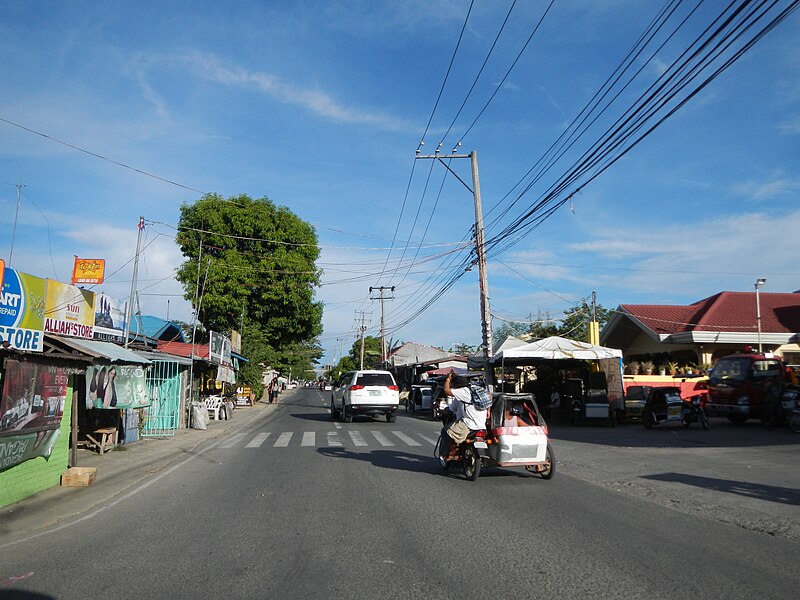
(394, 388)
(353, 388)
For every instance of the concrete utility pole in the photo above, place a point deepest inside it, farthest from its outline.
(361, 329)
(133, 282)
(383, 321)
(480, 253)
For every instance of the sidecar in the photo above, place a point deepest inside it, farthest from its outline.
(527, 447)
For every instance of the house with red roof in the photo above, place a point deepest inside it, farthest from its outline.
(707, 330)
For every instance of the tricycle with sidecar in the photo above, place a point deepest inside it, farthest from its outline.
(502, 446)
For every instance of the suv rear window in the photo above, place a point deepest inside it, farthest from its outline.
(384, 379)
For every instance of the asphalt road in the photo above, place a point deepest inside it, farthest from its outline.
(298, 506)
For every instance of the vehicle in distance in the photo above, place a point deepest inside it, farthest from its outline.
(365, 393)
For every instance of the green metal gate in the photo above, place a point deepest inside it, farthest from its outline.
(164, 383)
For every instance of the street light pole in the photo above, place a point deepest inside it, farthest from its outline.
(759, 284)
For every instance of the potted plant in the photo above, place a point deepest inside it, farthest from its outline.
(633, 367)
(672, 368)
(648, 367)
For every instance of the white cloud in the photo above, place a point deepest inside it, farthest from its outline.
(763, 190)
(315, 101)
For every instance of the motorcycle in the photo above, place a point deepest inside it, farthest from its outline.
(790, 406)
(693, 412)
(501, 446)
(467, 455)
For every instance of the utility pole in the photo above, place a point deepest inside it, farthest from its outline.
(361, 329)
(480, 252)
(133, 281)
(383, 322)
(14, 230)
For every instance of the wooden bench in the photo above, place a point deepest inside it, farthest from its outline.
(103, 439)
(213, 405)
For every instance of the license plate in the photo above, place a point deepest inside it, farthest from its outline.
(374, 393)
(480, 445)
(674, 411)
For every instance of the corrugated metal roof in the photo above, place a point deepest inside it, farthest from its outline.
(163, 356)
(105, 350)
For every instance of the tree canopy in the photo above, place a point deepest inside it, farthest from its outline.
(574, 324)
(252, 266)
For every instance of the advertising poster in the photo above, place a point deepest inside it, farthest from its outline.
(22, 303)
(116, 386)
(109, 319)
(33, 398)
(16, 449)
(88, 270)
(219, 349)
(69, 310)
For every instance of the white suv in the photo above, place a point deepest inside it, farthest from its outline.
(367, 393)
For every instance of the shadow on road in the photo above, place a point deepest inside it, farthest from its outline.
(770, 493)
(387, 459)
(722, 434)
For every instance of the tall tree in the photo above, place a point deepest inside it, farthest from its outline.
(257, 263)
(575, 324)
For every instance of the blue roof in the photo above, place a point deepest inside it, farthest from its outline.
(156, 328)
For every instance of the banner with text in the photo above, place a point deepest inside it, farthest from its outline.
(109, 319)
(16, 449)
(88, 270)
(69, 310)
(219, 349)
(33, 397)
(116, 386)
(22, 303)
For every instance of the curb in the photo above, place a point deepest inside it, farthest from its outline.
(118, 471)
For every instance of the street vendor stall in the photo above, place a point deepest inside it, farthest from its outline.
(558, 364)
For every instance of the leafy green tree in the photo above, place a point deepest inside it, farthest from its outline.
(463, 349)
(575, 324)
(257, 262)
(510, 328)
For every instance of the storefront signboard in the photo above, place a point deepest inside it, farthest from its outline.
(22, 305)
(69, 310)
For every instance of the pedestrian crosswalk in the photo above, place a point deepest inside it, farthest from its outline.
(340, 438)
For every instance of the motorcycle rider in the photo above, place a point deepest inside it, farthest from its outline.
(468, 416)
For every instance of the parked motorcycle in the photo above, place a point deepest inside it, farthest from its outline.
(693, 412)
(790, 407)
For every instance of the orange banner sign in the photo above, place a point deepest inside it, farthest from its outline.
(88, 270)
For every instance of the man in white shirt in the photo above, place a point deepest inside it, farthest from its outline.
(468, 417)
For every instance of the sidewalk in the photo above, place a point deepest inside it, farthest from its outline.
(118, 471)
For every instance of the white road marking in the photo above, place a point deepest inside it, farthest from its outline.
(431, 441)
(283, 439)
(309, 439)
(333, 439)
(232, 441)
(358, 439)
(382, 439)
(257, 441)
(404, 438)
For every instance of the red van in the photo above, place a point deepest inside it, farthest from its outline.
(738, 384)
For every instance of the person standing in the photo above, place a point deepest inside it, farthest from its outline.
(273, 390)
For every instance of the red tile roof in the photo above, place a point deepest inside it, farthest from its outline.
(181, 349)
(726, 311)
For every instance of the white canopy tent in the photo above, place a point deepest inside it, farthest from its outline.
(558, 348)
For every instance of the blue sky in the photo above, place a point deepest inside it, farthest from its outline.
(321, 105)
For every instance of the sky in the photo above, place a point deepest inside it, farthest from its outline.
(115, 110)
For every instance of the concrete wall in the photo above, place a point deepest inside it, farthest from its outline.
(38, 474)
